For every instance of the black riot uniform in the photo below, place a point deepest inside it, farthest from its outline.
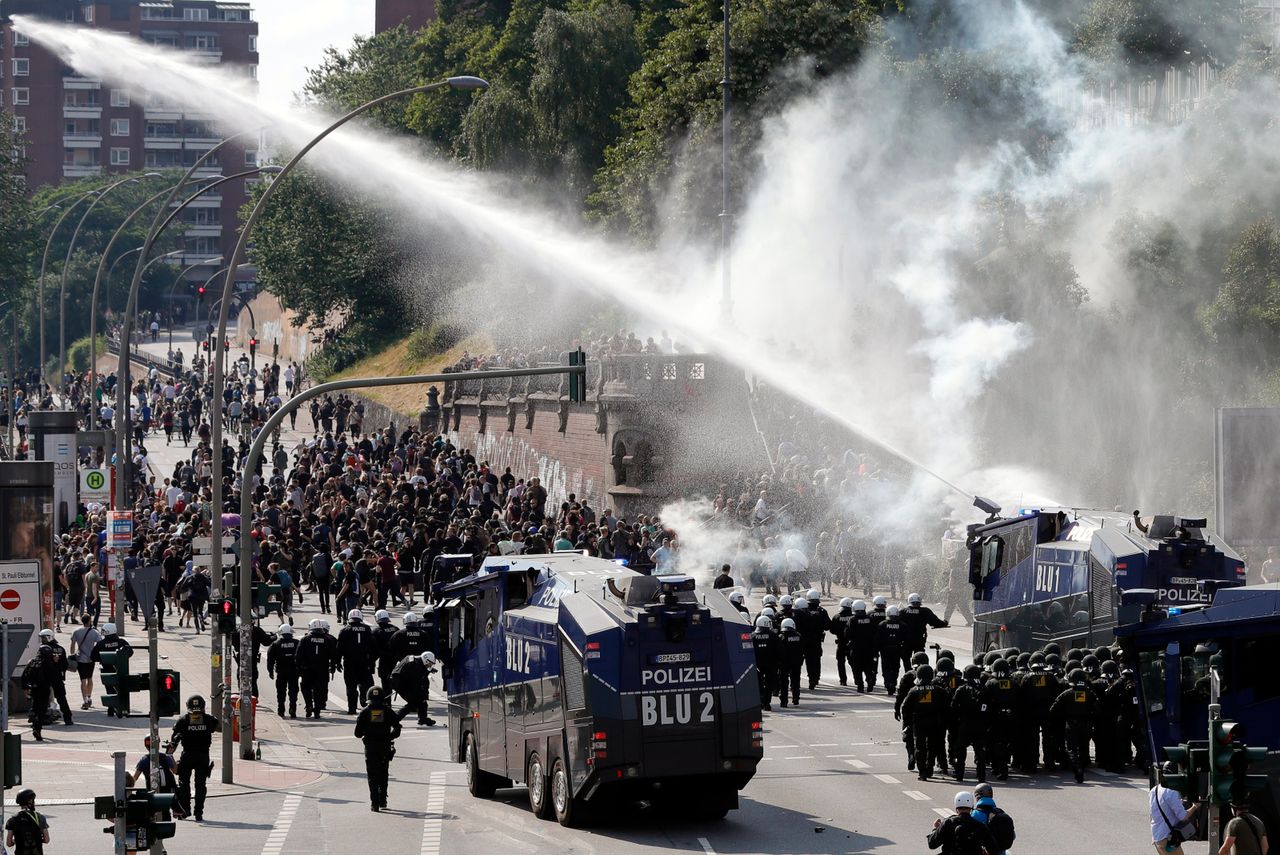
(916, 620)
(413, 639)
(889, 639)
(1038, 689)
(317, 661)
(411, 679)
(1076, 707)
(1000, 695)
(60, 665)
(969, 715)
(382, 635)
(378, 727)
(38, 678)
(813, 630)
(948, 680)
(839, 628)
(766, 643)
(790, 659)
(194, 732)
(282, 666)
(1130, 733)
(109, 643)
(355, 646)
(900, 695)
(261, 639)
(923, 710)
(861, 642)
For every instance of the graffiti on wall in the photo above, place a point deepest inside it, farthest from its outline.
(503, 450)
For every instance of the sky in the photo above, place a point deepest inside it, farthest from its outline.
(292, 37)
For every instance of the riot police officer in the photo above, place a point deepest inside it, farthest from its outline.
(282, 666)
(916, 619)
(947, 680)
(411, 640)
(790, 659)
(355, 646)
(317, 662)
(766, 644)
(37, 680)
(923, 711)
(383, 632)
(1076, 707)
(889, 640)
(1131, 743)
(861, 637)
(1000, 694)
(738, 603)
(111, 642)
(194, 732)
(60, 664)
(839, 628)
(1038, 690)
(261, 638)
(378, 727)
(969, 714)
(814, 631)
(411, 679)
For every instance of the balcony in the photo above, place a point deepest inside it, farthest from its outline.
(81, 111)
(163, 112)
(210, 56)
(200, 143)
(205, 200)
(162, 141)
(80, 83)
(190, 258)
(80, 170)
(85, 140)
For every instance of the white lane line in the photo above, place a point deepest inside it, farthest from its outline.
(887, 779)
(800, 757)
(890, 754)
(859, 764)
(829, 757)
(431, 826)
(824, 745)
(915, 794)
(280, 830)
(942, 812)
(706, 846)
(784, 746)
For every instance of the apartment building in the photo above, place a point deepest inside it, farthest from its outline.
(76, 126)
(416, 14)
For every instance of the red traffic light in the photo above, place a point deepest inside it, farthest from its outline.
(253, 342)
(200, 290)
(228, 607)
(168, 683)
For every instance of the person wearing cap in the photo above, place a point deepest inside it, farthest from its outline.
(27, 831)
(58, 655)
(999, 823)
(961, 833)
(1245, 834)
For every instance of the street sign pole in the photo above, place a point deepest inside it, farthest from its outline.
(4, 713)
(118, 757)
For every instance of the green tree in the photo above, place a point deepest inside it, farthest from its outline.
(372, 67)
(17, 230)
(1245, 317)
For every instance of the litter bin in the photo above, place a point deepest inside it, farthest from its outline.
(235, 719)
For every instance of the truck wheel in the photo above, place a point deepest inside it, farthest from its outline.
(569, 811)
(479, 784)
(539, 791)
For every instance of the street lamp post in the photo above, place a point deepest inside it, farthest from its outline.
(13, 369)
(44, 263)
(178, 280)
(62, 291)
(726, 301)
(246, 582)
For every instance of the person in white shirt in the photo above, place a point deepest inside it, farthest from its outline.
(1168, 814)
(172, 494)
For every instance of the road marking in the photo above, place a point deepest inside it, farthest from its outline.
(890, 754)
(942, 812)
(829, 757)
(915, 794)
(784, 746)
(800, 757)
(279, 831)
(706, 846)
(431, 826)
(824, 745)
(858, 764)
(887, 779)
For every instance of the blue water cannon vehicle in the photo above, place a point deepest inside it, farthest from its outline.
(599, 687)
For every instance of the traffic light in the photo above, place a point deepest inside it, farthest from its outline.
(224, 612)
(1184, 781)
(1224, 737)
(253, 347)
(118, 683)
(170, 702)
(160, 824)
(204, 345)
(200, 295)
(148, 817)
(1241, 781)
(12, 760)
(577, 381)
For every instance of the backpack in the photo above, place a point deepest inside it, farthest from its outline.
(31, 674)
(1000, 824)
(400, 677)
(964, 837)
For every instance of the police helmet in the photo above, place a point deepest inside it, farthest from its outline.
(893, 611)
(382, 616)
(924, 673)
(195, 703)
(314, 623)
(428, 658)
(286, 629)
(374, 694)
(919, 658)
(27, 797)
(984, 791)
(768, 612)
(1052, 647)
(1012, 653)
(1072, 664)
(972, 673)
(1053, 660)
(1090, 662)
(1036, 660)
(946, 654)
(1110, 669)
(990, 658)
(46, 633)
(324, 625)
(763, 622)
(813, 596)
(1024, 660)
(736, 597)
(45, 651)
(1078, 677)
(355, 616)
(1000, 667)
(859, 605)
(913, 599)
(946, 666)
(847, 603)
(1103, 653)
(1075, 653)
(785, 600)
(801, 603)
(770, 600)
(964, 799)
(879, 602)
(109, 629)
(788, 623)
(410, 618)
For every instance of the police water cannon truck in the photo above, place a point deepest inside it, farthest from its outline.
(599, 687)
(1061, 574)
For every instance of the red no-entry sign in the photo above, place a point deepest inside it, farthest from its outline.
(9, 599)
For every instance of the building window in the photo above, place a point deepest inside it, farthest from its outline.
(119, 127)
(119, 157)
(253, 72)
(88, 14)
(21, 95)
(202, 42)
(19, 124)
(20, 39)
(253, 44)
(250, 158)
(119, 98)
(21, 67)
(195, 14)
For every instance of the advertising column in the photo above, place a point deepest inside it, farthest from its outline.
(53, 435)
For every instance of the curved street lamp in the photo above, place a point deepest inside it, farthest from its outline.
(44, 263)
(215, 414)
(177, 281)
(62, 291)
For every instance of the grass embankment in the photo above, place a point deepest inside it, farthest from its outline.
(396, 359)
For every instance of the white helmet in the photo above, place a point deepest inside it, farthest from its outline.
(813, 595)
(108, 629)
(324, 624)
(914, 599)
(286, 629)
(46, 633)
(893, 611)
(382, 615)
(355, 615)
(788, 623)
(879, 602)
(763, 622)
(769, 612)
(428, 658)
(801, 603)
(785, 601)
(736, 597)
(410, 618)
(315, 623)
(964, 799)
(859, 605)
(770, 599)
(846, 602)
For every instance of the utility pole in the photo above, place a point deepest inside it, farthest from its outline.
(726, 299)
